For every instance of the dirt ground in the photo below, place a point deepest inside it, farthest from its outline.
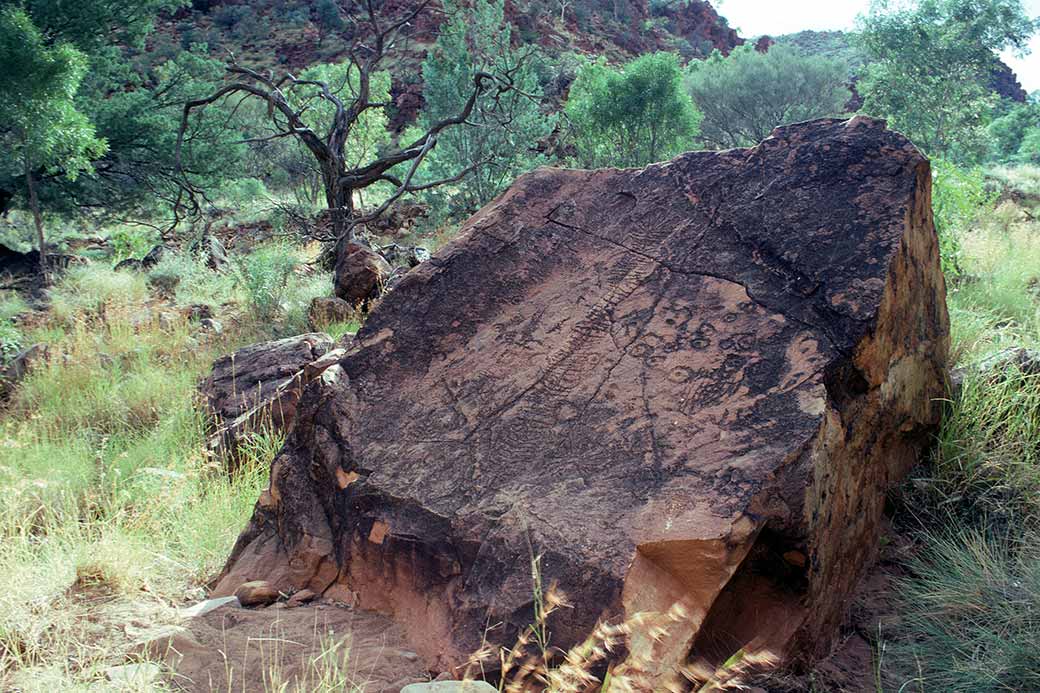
(245, 650)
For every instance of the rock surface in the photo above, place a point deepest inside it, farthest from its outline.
(260, 385)
(662, 381)
(360, 274)
(326, 310)
(257, 593)
(450, 687)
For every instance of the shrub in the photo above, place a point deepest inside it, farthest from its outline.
(10, 341)
(265, 274)
(632, 116)
(959, 198)
(132, 241)
(788, 87)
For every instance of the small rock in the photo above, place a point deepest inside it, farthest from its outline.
(326, 310)
(1027, 361)
(257, 593)
(211, 325)
(302, 597)
(210, 249)
(450, 687)
(153, 257)
(137, 674)
(360, 274)
(23, 362)
(209, 605)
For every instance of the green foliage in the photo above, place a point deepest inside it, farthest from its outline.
(1009, 133)
(1029, 150)
(634, 115)
(265, 274)
(959, 198)
(501, 136)
(115, 93)
(747, 94)
(929, 65)
(132, 241)
(970, 613)
(11, 341)
(42, 131)
(839, 46)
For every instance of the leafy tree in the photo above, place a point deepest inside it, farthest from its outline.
(1029, 150)
(129, 96)
(928, 66)
(634, 115)
(1008, 132)
(42, 132)
(499, 140)
(288, 101)
(747, 94)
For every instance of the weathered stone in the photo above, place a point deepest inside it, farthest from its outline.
(304, 596)
(153, 257)
(131, 264)
(408, 255)
(21, 365)
(212, 251)
(450, 687)
(360, 274)
(661, 381)
(211, 325)
(326, 310)
(208, 605)
(259, 386)
(257, 593)
(136, 675)
(198, 312)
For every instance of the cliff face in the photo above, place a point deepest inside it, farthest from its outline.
(1004, 82)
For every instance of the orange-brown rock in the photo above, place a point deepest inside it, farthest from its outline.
(690, 383)
(360, 274)
(258, 387)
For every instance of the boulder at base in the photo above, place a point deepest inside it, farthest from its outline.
(259, 386)
(690, 383)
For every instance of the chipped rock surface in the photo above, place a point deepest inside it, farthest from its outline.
(691, 383)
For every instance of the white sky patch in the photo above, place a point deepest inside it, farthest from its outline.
(756, 17)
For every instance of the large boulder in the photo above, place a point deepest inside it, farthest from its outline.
(688, 384)
(360, 274)
(259, 386)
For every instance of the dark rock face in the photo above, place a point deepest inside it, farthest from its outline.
(1004, 82)
(260, 386)
(691, 384)
(360, 274)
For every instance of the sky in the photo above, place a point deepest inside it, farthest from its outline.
(757, 17)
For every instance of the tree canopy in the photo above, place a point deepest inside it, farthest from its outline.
(500, 139)
(42, 131)
(928, 65)
(633, 115)
(745, 95)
